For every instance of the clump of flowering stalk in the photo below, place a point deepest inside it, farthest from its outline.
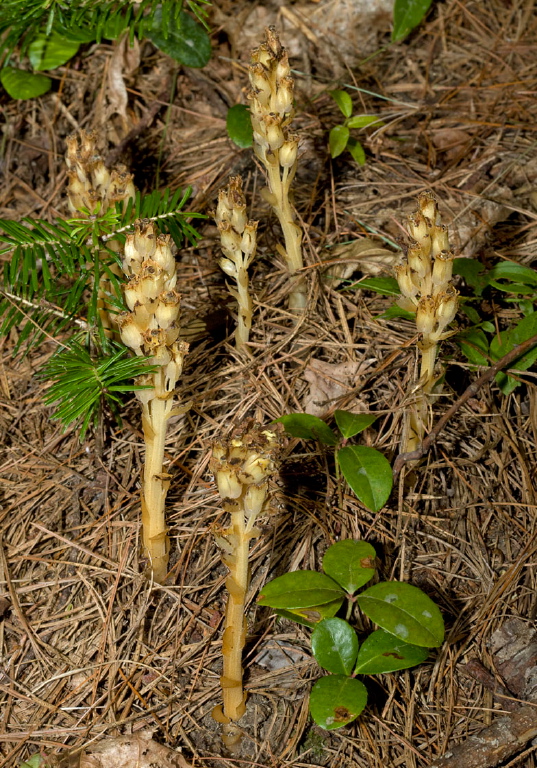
(426, 287)
(239, 241)
(151, 328)
(93, 188)
(242, 467)
(271, 110)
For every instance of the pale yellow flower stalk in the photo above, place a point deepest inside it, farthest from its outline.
(426, 287)
(272, 111)
(242, 467)
(93, 187)
(151, 328)
(238, 237)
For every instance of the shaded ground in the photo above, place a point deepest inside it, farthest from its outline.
(88, 648)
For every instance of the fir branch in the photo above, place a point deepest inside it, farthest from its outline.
(82, 383)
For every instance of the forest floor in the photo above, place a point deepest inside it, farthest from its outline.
(88, 647)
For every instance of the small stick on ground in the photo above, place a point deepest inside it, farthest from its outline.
(469, 392)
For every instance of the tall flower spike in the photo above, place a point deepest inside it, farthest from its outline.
(93, 187)
(425, 284)
(242, 467)
(271, 110)
(239, 242)
(151, 328)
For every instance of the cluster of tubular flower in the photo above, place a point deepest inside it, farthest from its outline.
(93, 188)
(242, 467)
(271, 110)
(151, 329)
(238, 237)
(426, 288)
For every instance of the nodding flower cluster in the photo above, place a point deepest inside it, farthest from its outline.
(238, 237)
(425, 278)
(271, 110)
(91, 185)
(151, 328)
(242, 467)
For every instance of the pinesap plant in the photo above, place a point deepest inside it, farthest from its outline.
(365, 469)
(409, 624)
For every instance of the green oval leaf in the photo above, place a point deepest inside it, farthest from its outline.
(351, 563)
(362, 121)
(337, 140)
(381, 652)
(343, 100)
(337, 700)
(471, 342)
(511, 270)
(24, 85)
(499, 347)
(335, 646)
(368, 473)
(407, 14)
(404, 611)
(187, 43)
(356, 150)
(49, 52)
(300, 589)
(239, 126)
(351, 424)
(307, 427)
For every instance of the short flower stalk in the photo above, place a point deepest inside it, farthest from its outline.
(151, 328)
(426, 289)
(272, 111)
(242, 467)
(238, 237)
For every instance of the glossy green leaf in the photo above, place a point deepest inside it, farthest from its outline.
(351, 563)
(35, 761)
(351, 424)
(300, 589)
(187, 43)
(356, 150)
(337, 140)
(473, 342)
(310, 617)
(335, 646)
(386, 286)
(239, 126)
(49, 52)
(24, 85)
(307, 427)
(337, 700)
(395, 311)
(368, 473)
(517, 273)
(499, 347)
(343, 100)
(381, 652)
(404, 611)
(362, 121)
(407, 14)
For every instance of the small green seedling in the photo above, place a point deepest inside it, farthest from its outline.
(407, 14)
(409, 624)
(340, 139)
(365, 469)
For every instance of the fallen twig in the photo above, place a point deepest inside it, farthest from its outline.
(469, 392)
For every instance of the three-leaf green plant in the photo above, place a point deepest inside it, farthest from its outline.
(50, 34)
(409, 624)
(365, 469)
(340, 138)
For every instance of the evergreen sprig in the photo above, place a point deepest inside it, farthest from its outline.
(81, 382)
(84, 20)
